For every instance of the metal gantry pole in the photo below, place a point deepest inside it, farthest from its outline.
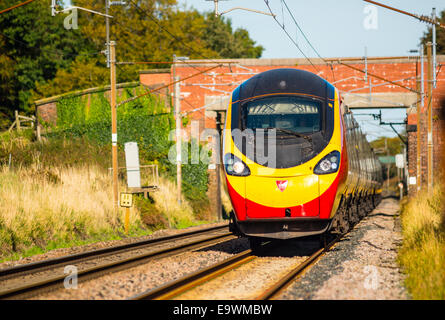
(429, 117)
(107, 26)
(114, 124)
(178, 138)
(434, 47)
(418, 105)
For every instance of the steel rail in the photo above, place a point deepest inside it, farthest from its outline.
(179, 286)
(285, 281)
(95, 253)
(114, 266)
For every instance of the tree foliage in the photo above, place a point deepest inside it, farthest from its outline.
(391, 145)
(33, 46)
(440, 35)
(221, 38)
(40, 58)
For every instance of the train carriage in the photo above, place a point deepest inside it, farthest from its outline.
(295, 160)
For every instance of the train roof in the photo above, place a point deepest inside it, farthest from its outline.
(282, 81)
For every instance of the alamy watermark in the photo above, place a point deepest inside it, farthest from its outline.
(70, 281)
(372, 279)
(371, 20)
(252, 143)
(70, 21)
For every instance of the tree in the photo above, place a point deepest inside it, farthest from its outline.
(394, 145)
(33, 46)
(228, 44)
(150, 30)
(440, 35)
(40, 58)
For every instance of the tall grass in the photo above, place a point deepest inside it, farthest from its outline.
(43, 206)
(422, 255)
(58, 194)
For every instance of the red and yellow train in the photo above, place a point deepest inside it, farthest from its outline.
(295, 160)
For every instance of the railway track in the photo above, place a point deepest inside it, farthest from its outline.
(177, 287)
(28, 280)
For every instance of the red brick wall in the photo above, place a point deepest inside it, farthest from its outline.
(438, 142)
(223, 80)
(150, 79)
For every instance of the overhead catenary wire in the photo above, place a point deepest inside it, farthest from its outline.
(172, 62)
(307, 40)
(304, 35)
(179, 40)
(16, 6)
(376, 76)
(419, 17)
(167, 85)
(289, 36)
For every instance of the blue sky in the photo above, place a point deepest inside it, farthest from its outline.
(335, 28)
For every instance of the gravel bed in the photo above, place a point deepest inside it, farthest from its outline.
(245, 282)
(251, 279)
(361, 266)
(127, 283)
(103, 260)
(99, 245)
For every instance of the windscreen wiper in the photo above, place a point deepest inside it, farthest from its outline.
(297, 134)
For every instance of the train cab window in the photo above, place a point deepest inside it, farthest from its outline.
(294, 114)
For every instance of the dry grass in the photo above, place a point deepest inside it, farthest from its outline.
(41, 205)
(422, 255)
(60, 207)
(178, 215)
(59, 194)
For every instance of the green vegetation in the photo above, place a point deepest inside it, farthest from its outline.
(54, 207)
(394, 145)
(440, 35)
(33, 47)
(40, 58)
(422, 255)
(389, 146)
(58, 193)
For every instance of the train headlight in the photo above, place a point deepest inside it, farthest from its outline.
(234, 166)
(329, 164)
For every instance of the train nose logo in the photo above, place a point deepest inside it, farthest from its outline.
(281, 184)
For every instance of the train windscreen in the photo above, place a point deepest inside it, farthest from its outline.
(286, 114)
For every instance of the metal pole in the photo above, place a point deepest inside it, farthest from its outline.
(114, 124)
(419, 141)
(429, 117)
(218, 167)
(216, 7)
(366, 63)
(422, 79)
(17, 120)
(387, 165)
(434, 48)
(178, 138)
(107, 24)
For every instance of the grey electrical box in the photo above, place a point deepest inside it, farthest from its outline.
(132, 163)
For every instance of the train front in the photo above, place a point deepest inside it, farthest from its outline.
(284, 154)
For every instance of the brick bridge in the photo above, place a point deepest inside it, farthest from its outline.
(378, 82)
